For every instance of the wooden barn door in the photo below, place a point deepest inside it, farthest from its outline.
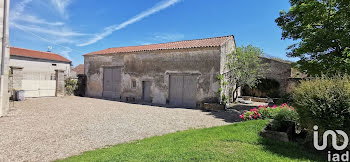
(146, 91)
(175, 90)
(182, 90)
(111, 82)
(189, 91)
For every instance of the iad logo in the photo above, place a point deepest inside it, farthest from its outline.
(335, 156)
(334, 139)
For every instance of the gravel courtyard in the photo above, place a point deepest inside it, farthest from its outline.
(45, 129)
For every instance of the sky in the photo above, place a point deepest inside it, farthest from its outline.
(76, 27)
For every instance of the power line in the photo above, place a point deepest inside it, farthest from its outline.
(42, 38)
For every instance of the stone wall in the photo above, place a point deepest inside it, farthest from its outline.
(156, 66)
(16, 78)
(227, 48)
(278, 70)
(60, 84)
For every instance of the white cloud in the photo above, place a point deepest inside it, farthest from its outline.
(168, 37)
(66, 53)
(19, 8)
(55, 32)
(17, 15)
(161, 38)
(61, 6)
(109, 30)
(36, 20)
(144, 43)
(59, 32)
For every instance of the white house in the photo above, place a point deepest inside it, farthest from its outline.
(38, 73)
(38, 61)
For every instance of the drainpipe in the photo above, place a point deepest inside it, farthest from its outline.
(4, 37)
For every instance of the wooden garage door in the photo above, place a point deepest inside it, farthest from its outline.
(182, 90)
(111, 82)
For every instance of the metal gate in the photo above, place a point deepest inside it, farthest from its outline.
(182, 90)
(39, 84)
(111, 82)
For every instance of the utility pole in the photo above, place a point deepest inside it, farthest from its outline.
(4, 56)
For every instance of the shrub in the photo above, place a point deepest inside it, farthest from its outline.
(286, 98)
(286, 115)
(265, 112)
(279, 122)
(70, 85)
(324, 102)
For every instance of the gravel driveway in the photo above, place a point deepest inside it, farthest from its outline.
(46, 129)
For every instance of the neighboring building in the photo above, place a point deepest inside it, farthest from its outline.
(182, 73)
(279, 70)
(78, 70)
(283, 72)
(38, 73)
(38, 61)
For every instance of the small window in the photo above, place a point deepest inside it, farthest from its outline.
(54, 64)
(133, 83)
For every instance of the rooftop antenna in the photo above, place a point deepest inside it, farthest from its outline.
(49, 48)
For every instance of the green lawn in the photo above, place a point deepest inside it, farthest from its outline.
(236, 142)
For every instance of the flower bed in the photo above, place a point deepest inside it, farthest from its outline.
(283, 125)
(265, 112)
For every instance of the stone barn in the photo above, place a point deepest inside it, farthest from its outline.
(182, 73)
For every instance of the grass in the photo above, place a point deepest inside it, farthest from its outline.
(236, 142)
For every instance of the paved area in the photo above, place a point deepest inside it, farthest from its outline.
(242, 107)
(45, 129)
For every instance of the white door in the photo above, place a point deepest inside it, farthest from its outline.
(39, 88)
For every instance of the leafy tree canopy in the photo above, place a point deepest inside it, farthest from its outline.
(322, 30)
(244, 68)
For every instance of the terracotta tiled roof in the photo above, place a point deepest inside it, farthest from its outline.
(197, 43)
(79, 69)
(15, 51)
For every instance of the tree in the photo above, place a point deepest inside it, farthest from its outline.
(322, 31)
(244, 68)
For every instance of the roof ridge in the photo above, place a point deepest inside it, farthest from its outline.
(79, 65)
(175, 41)
(193, 43)
(23, 52)
(35, 50)
(277, 59)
